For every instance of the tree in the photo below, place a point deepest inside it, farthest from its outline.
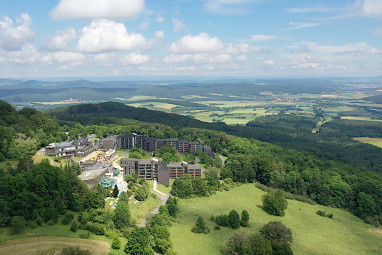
(366, 205)
(282, 249)
(274, 203)
(139, 242)
(258, 245)
(200, 226)
(276, 232)
(142, 192)
(18, 225)
(115, 191)
(122, 215)
(234, 219)
(222, 220)
(244, 218)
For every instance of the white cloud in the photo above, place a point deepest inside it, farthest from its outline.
(229, 7)
(159, 34)
(12, 37)
(359, 49)
(145, 23)
(197, 44)
(135, 59)
(262, 37)
(197, 58)
(311, 63)
(26, 55)
(312, 9)
(378, 31)
(102, 9)
(242, 58)
(269, 62)
(105, 35)
(60, 39)
(372, 7)
(178, 24)
(64, 57)
(299, 25)
(159, 19)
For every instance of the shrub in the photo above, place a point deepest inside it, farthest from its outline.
(116, 245)
(217, 227)
(67, 219)
(212, 218)
(276, 232)
(74, 226)
(244, 218)
(32, 224)
(222, 220)
(200, 226)
(274, 203)
(321, 213)
(234, 219)
(330, 215)
(39, 220)
(85, 236)
(172, 209)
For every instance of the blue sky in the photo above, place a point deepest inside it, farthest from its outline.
(215, 38)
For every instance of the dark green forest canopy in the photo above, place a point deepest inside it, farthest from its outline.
(23, 132)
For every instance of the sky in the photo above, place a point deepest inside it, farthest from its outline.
(201, 38)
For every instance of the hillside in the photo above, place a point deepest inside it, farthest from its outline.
(312, 234)
(284, 130)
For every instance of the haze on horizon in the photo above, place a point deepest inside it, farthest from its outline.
(206, 38)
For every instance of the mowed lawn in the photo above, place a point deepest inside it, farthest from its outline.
(373, 141)
(312, 234)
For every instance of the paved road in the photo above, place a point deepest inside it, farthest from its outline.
(222, 159)
(125, 154)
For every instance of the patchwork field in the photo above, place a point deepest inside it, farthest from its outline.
(50, 245)
(373, 141)
(312, 234)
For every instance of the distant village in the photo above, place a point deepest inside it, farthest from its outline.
(99, 161)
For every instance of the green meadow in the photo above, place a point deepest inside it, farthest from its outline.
(312, 234)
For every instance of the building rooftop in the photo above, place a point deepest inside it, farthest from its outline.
(193, 167)
(175, 164)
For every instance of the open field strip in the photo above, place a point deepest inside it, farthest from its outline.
(136, 98)
(49, 245)
(373, 141)
(312, 234)
(359, 118)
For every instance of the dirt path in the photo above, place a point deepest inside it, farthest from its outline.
(49, 245)
(163, 197)
(375, 230)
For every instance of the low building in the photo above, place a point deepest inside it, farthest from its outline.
(194, 170)
(109, 143)
(177, 169)
(77, 148)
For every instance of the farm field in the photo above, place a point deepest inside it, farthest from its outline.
(312, 234)
(373, 141)
(50, 245)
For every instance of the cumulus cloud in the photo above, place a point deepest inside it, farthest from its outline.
(359, 49)
(242, 58)
(197, 58)
(14, 36)
(64, 57)
(102, 9)
(60, 39)
(378, 31)
(159, 34)
(257, 38)
(159, 19)
(178, 24)
(134, 59)
(300, 25)
(106, 35)
(26, 55)
(309, 62)
(196, 44)
(372, 7)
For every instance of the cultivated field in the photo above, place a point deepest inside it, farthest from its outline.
(312, 234)
(373, 141)
(50, 245)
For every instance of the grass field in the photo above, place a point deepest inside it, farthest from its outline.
(312, 234)
(140, 209)
(359, 118)
(373, 141)
(8, 164)
(50, 245)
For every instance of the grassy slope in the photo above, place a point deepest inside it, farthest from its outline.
(312, 234)
(373, 141)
